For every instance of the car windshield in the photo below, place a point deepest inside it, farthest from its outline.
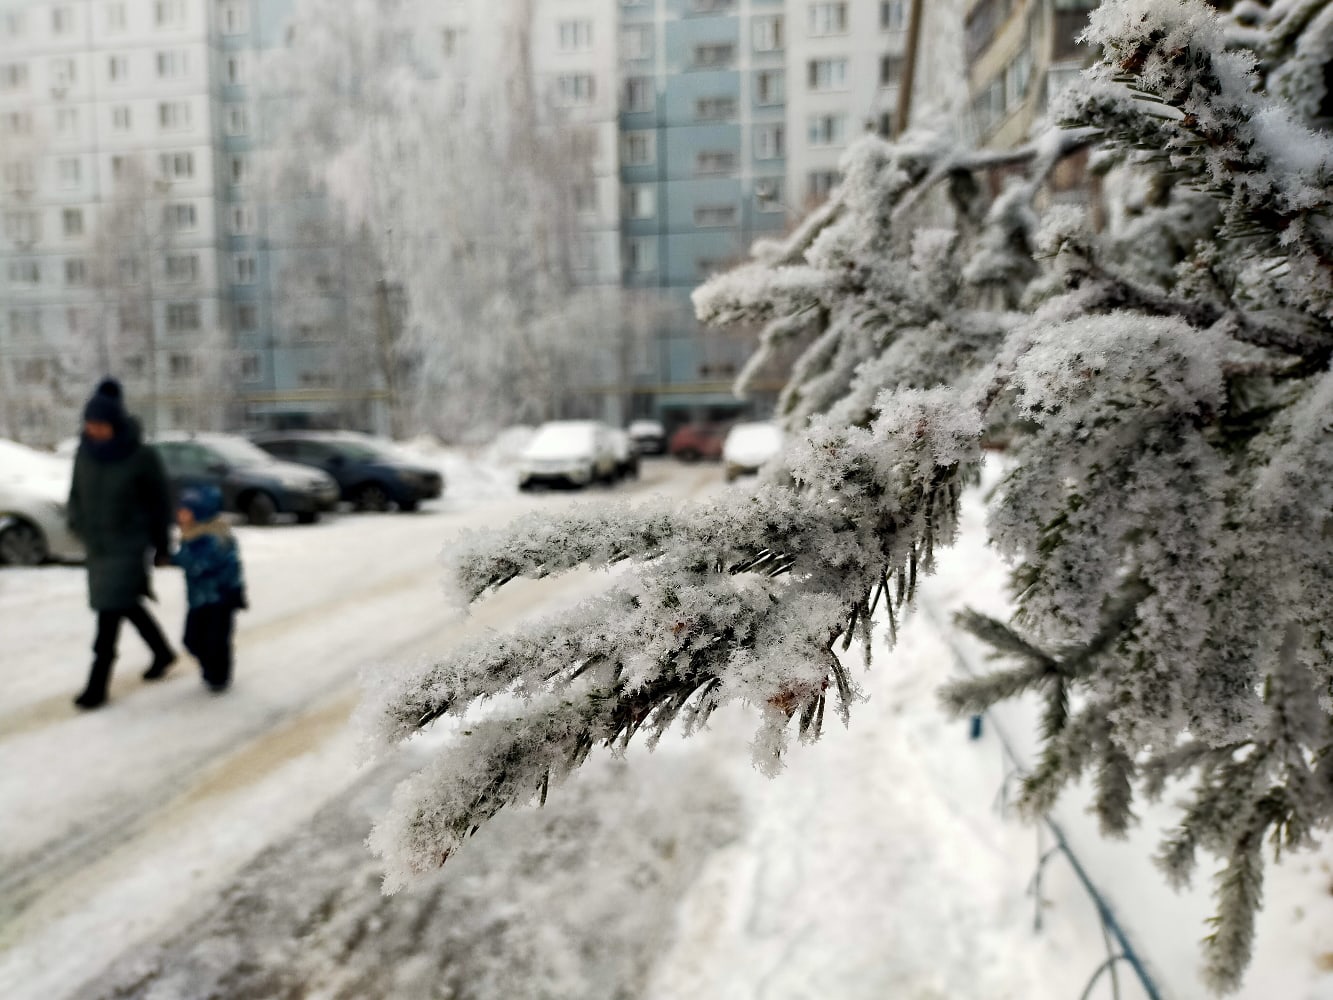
(562, 440)
(237, 451)
(362, 451)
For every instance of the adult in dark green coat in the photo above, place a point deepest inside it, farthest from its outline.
(120, 506)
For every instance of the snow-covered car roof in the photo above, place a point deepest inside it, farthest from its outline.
(752, 444)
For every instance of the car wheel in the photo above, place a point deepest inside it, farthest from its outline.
(688, 455)
(22, 544)
(371, 497)
(260, 508)
(307, 517)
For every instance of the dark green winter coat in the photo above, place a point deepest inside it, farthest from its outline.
(120, 507)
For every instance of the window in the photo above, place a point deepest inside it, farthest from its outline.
(179, 216)
(243, 269)
(827, 74)
(120, 118)
(884, 126)
(893, 15)
(712, 216)
(234, 17)
(181, 365)
(169, 13)
(25, 322)
(238, 169)
(711, 6)
(718, 161)
(715, 54)
(1019, 75)
(62, 72)
(770, 142)
(639, 94)
(14, 22)
(828, 129)
(234, 70)
(640, 148)
(770, 86)
(130, 274)
(236, 119)
(62, 20)
(22, 227)
(71, 221)
(25, 272)
(76, 271)
(182, 317)
(828, 18)
(172, 64)
(14, 76)
(451, 41)
(117, 69)
(176, 166)
(711, 109)
(989, 105)
(115, 18)
(891, 69)
(821, 183)
(67, 121)
(585, 197)
(636, 42)
(69, 169)
(250, 368)
(641, 255)
(642, 201)
(18, 123)
(247, 317)
(766, 33)
(242, 220)
(575, 88)
(20, 175)
(574, 36)
(182, 267)
(173, 116)
(768, 194)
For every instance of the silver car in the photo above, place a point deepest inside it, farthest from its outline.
(34, 487)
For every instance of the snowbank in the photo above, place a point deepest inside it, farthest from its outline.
(472, 475)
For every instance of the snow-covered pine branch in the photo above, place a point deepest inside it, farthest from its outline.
(1166, 503)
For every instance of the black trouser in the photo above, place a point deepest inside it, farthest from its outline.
(208, 637)
(108, 634)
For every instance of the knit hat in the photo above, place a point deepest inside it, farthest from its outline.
(107, 404)
(204, 502)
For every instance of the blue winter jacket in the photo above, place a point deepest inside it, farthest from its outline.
(212, 562)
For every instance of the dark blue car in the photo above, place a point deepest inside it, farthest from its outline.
(369, 475)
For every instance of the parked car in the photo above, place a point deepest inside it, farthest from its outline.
(252, 481)
(571, 452)
(627, 455)
(648, 436)
(695, 441)
(749, 446)
(34, 490)
(368, 472)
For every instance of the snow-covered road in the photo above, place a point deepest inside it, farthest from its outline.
(113, 823)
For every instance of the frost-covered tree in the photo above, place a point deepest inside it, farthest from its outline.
(1167, 503)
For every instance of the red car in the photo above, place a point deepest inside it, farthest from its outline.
(695, 441)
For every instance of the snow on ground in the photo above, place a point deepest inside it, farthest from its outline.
(176, 846)
(473, 474)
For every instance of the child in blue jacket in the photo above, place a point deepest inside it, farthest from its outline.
(214, 583)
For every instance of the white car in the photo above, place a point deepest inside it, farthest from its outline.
(649, 437)
(749, 446)
(34, 490)
(573, 452)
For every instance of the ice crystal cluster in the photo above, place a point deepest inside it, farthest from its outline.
(1161, 383)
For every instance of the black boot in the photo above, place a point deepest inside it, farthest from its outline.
(162, 662)
(91, 698)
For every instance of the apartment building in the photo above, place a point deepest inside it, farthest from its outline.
(845, 60)
(106, 127)
(1020, 53)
